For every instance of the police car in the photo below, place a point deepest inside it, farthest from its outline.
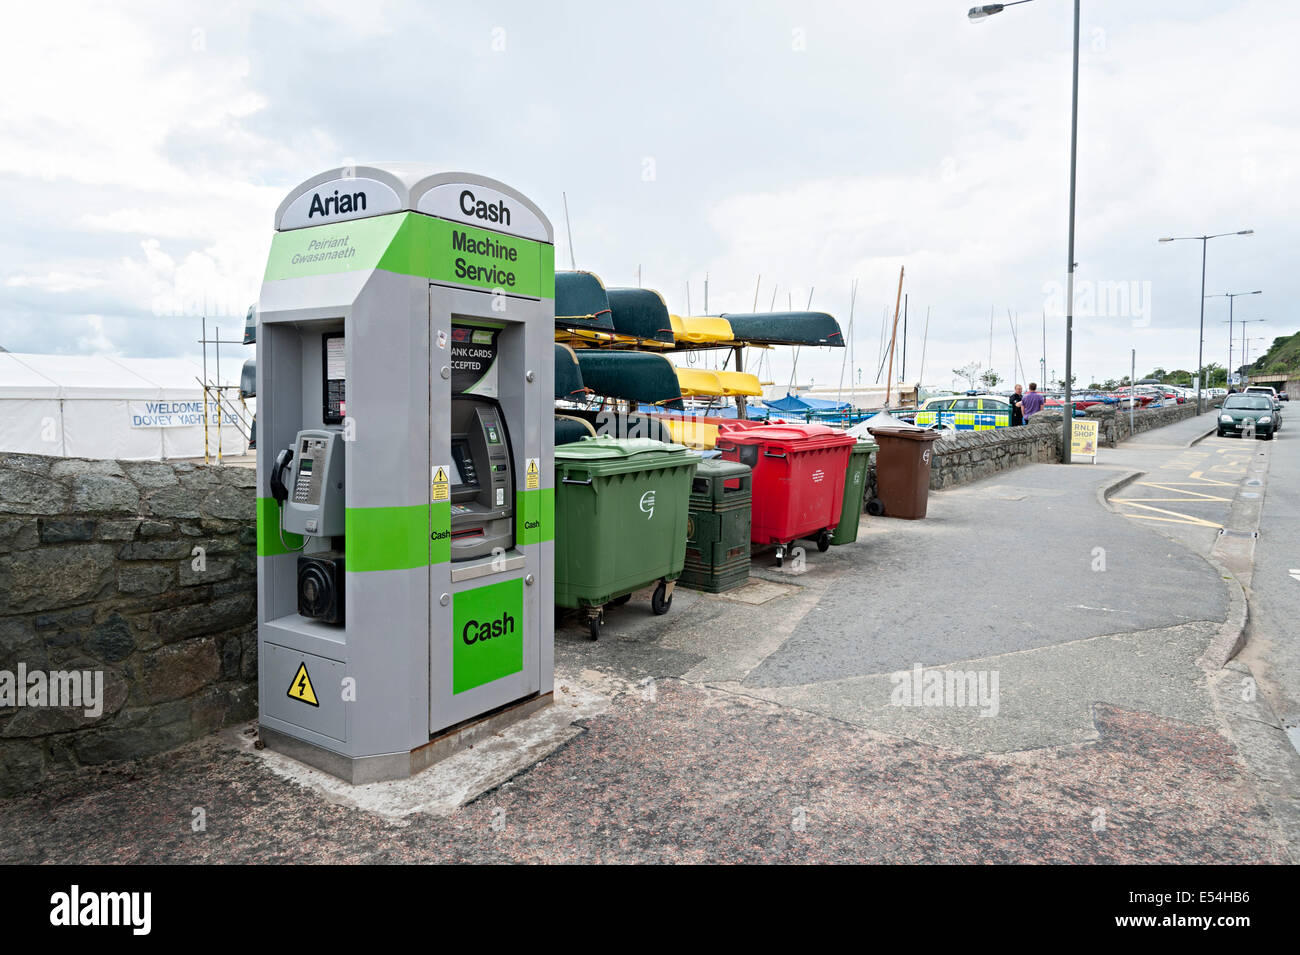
(965, 413)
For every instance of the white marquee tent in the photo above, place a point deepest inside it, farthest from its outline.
(96, 406)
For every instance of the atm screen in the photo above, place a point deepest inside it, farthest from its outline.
(462, 463)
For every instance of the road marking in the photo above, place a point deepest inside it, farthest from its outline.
(1163, 520)
(1295, 574)
(1170, 500)
(1196, 474)
(1189, 496)
(1178, 518)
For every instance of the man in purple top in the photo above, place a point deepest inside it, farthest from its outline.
(1032, 401)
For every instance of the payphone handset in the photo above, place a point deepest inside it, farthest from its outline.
(482, 479)
(308, 481)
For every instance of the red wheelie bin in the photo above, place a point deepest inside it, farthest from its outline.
(798, 481)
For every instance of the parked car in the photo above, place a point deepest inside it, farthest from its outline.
(1268, 390)
(1239, 409)
(965, 413)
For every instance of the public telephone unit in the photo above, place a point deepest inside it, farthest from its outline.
(482, 479)
(307, 483)
(312, 500)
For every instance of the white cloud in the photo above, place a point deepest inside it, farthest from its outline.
(147, 147)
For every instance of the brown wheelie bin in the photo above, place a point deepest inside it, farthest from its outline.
(903, 470)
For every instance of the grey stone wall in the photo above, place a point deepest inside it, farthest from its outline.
(145, 571)
(1113, 424)
(970, 455)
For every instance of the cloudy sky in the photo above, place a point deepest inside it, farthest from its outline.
(146, 146)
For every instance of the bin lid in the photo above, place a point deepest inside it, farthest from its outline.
(909, 434)
(604, 447)
(805, 435)
(719, 467)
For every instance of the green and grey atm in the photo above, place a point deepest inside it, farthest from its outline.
(405, 510)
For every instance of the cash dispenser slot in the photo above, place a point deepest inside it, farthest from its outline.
(482, 479)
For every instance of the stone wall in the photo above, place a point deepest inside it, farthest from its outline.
(143, 571)
(1113, 424)
(970, 455)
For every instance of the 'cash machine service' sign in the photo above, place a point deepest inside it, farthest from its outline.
(480, 205)
(474, 361)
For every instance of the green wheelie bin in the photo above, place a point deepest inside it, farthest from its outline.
(620, 522)
(855, 483)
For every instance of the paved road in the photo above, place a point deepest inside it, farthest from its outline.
(1274, 628)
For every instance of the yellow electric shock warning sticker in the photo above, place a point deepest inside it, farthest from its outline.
(439, 488)
(532, 476)
(301, 689)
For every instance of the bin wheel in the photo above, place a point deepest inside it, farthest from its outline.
(619, 601)
(875, 507)
(659, 600)
(780, 556)
(593, 627)
(824, 541)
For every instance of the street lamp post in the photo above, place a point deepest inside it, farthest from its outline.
(1230, 296)
(1200, 348)
(977, 14)
(1244, 323)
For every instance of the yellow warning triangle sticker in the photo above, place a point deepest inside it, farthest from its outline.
(532, 465)
(440, 476)
(301, 689)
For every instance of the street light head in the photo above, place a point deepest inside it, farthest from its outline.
(1166, 239)
(1246, 232)
(980, 13)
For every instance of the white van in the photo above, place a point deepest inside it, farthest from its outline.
(1268, 390)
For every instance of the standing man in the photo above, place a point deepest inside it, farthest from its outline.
(1032, 403)
(1017, 415)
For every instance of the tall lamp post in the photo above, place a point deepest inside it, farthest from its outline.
(1200, 348)
(1227, 383)
(978, 14)
(1244, 323)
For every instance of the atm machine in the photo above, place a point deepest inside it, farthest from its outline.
(405, 510)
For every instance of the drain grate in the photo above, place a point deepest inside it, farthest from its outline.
(1224, 532)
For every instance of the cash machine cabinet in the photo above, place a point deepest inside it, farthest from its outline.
(482, 480)
(405, 512)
